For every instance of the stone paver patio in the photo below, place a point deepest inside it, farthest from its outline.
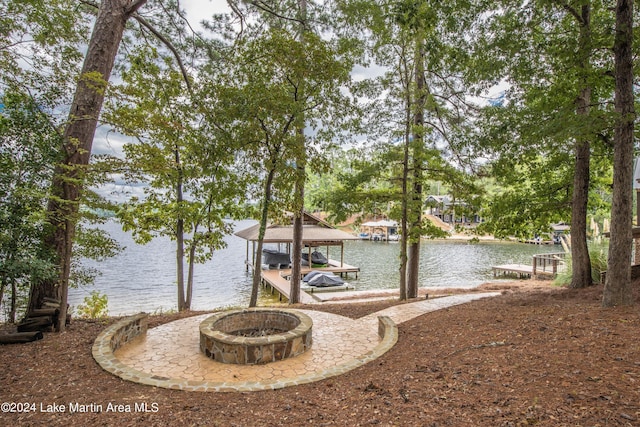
(169, 355)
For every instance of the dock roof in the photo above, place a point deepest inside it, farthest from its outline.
(315, 232)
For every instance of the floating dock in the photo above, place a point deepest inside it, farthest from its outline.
(274, 279)
(278, 280)
(335, 267)
(520, 270)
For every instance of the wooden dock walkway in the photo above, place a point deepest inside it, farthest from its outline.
(546, 265)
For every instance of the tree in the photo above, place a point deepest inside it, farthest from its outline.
(251, 114)
(617, 288)
(77, 142)
(27, 153)
(301, 170)
(41, 53)
(308, 73)
(428, 111)
(70, 173)
(580, 262)
(191, 184)
(544, 48)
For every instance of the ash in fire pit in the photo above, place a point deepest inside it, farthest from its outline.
(255, 336)
(258, 332)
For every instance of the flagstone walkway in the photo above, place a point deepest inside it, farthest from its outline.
(169, 355)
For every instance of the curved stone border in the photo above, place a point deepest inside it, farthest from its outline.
(121, 332)
(114, 337)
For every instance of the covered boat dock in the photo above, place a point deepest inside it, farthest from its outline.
(316, 233)
(274, 264)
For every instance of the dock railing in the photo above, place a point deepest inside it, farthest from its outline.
(548, 264)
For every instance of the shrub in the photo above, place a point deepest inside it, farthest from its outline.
(598, 253)
(94, 307)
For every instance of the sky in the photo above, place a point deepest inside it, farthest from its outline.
(197, 10)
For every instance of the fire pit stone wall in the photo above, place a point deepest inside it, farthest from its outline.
(255, 336)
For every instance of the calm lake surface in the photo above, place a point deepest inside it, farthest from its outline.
(142, 278)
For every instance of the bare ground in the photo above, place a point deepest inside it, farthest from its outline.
(535, 355)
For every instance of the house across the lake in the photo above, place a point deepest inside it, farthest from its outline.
(451, 211)
(379, 230)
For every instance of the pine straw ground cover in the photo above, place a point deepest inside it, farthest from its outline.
(532, 356)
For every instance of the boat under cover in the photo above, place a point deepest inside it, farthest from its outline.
(322, 279)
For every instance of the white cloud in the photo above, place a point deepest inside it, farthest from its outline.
(108, 141)
(360, 73)
(199, 10)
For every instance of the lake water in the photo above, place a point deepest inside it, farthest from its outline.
(142, 278)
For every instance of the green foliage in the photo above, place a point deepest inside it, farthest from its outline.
(95, 306)
(28, 153)
(549, 55)
(529, 198)
(278, 83)
(192, 181)
(361, 184)
(40, 58)
(598, 253)
(40, 51)
(27, 156)
(174, 154)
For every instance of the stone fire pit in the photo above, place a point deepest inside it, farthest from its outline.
(255, 336)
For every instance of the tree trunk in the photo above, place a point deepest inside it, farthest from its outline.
(298, 220)
(257, 268)
(617, 287)
(404, 229)
(296, 258)
(192, 257)
(298, 192)
(3, 286)
(191, 266)
(180, 237)
(404, 222)
(418, 160)
(78, 140)
(180, 263)
(14, 301)
(580, 260)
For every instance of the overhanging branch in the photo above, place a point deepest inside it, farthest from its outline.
(133, 7)
(168, 44)
(132, 11)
